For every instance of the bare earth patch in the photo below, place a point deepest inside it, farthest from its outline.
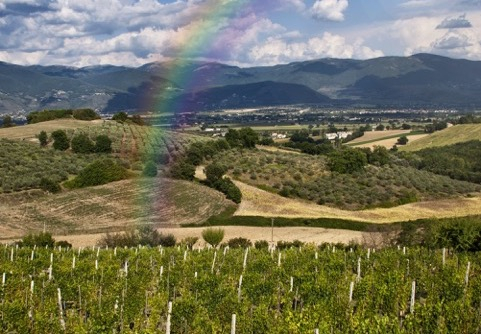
(257, 202)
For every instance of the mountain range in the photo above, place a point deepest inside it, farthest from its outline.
(421, 80)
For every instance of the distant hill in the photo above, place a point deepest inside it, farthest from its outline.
(421, 80)
(455, 134)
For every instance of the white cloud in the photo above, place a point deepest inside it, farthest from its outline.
(331, 10)
(277, 50)
(452, 40)
(455, 23)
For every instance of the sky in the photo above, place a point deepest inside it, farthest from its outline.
(237, 32)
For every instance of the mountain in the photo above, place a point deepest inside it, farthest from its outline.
(422, 80)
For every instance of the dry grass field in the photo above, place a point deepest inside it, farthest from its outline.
(112, 207)
(378, 135)
(257, 202)
(30, 131)
(390, 142)
(452, 135)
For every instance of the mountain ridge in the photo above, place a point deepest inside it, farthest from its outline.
(417, 80)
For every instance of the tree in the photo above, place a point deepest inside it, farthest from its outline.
(379, 156)
(380, 127)
(81, 143)
(49, 185)
(60, 140)
(214, 172)
(85, 114)
(347, 160)
(103, 144)
(182, 170)
(403, 140)
(121, 116)
(150, 169)
(43, 138)
(213, 236)
(98, 172)
(7, 122)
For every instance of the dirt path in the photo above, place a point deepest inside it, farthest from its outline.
(305, 234)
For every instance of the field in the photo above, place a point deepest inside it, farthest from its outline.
(297, 290)
(112, 207)
(378, 135)
(452, 135)
(389, 142)
(257, 202)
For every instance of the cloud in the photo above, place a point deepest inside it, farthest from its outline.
(416, 3)
(452, 40)
(330, 10)
(278, 50)
(455, 23)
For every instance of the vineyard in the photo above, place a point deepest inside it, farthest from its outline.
(298, 290)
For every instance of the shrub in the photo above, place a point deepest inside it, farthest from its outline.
(403, 140)
(182, 170)
(239, 242)
(190, 241)
(43, 138)
(167, 240)
(85, 114)
(60, 140)
(261, 244)
(41, 239)
(121, 116)
(81, 143)
(150, 169)
(227, 187)
(213, 236)
(63, 244)
(49, 185)
(103, 144)
(347, 161)
(98, 172)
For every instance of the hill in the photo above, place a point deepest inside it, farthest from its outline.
(419, 80)
(452, 135)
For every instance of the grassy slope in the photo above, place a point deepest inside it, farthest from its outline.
(111, 207)
(449, 136)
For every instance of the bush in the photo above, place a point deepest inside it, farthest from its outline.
(261, 244)
(50, 186)
(81, 143)
(60, 140)
(239, 242)
(120, 116)
(43, 138)
(63, 244)
(40, 240)
(145, 235)
(150, 169)
(85, 114)
(190, 241)
(403, 140)
(347, 161)
(103, 144)
(213, 236)
(98, 172)
(227, 187)
(182, 170)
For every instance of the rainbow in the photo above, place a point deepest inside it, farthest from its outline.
(196, 41)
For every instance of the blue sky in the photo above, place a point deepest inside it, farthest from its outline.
(262, 32)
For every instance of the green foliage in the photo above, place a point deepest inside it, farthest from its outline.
(227, 187)
(121, 116)
(190, 241)
(103, 144)
(150, 169)
(42, 239)
(81, 143)
(403, 140)
(7, 122)
(378, 156)
(239, 242)
(347, 161)
(85, 114)
(213, 236)
(145, 235)
(460, 161)
(261, 244)
(48, 115)
(43, 138)
(214, 172)
(99, 172)
(60, 140)
(49, 185)
(245, 137)
(182, 170)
